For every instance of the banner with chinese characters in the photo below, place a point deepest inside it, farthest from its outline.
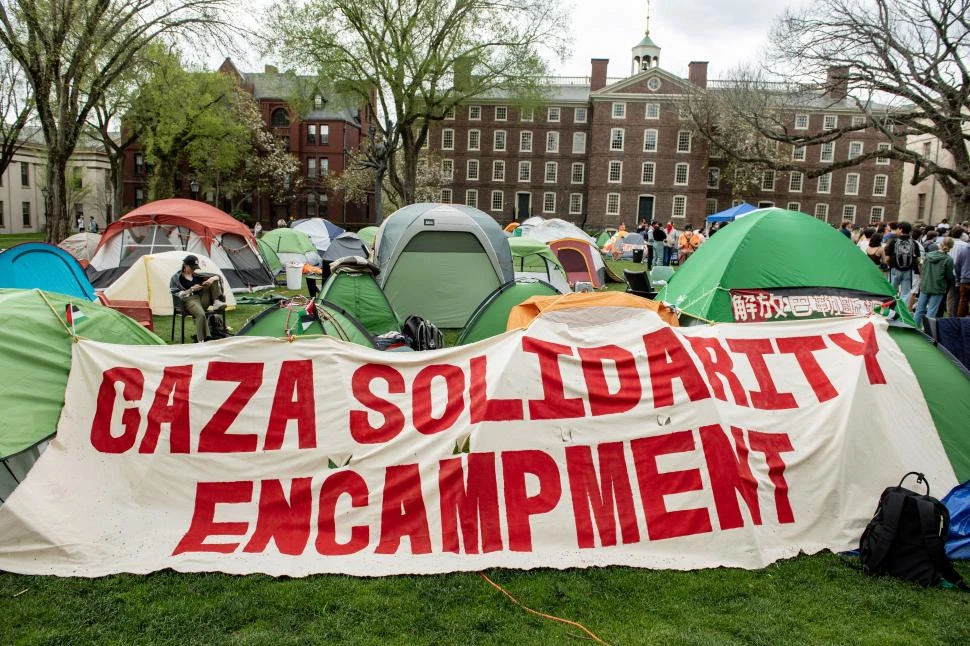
(762, 305)
(563, 445)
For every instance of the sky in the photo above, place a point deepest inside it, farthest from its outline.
(725, 33)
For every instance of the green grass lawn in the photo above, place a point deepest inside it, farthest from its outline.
(8, 240)
(817, 599)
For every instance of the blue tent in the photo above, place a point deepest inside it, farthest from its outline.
(731, 213)
(39, 265)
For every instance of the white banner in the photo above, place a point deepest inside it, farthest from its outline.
(630, 443)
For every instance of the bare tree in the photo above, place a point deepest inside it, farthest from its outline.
(72, 51)
(903, 63)
(16, 106)
(411, 61)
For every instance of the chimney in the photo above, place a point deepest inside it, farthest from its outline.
(463, 74)
(270, 69)
(597, 77)
(697, 73)
(837, 83)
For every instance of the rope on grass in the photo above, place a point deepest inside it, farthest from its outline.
(586, 630)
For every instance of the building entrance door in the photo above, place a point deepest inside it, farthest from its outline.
(523, 203)
(645, 209)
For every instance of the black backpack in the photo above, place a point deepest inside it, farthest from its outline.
(422, 334)
(904, 253)
(906, 538)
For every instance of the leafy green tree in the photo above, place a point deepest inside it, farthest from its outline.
(409, 62)
(72, 51)
(16, 107)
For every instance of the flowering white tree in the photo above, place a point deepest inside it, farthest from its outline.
(356, 183)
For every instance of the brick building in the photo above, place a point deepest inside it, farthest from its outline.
(319, 139)
(602, 151)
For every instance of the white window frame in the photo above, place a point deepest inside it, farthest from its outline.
(472, 109)
(498, 170)
(799, 153)
(848, 179)
(822, 210)
(495, 141)
(794, 206)
(825, 179)
(581, 166)
(796, 186)
(526, 134)
(577, 112)
(618, 165)
(884, 161)
(881, 217)
(553, 114)
(846, 210)
(546, 208)
(504, 111)
(478, 146)
(552, 142)
(501, 201)
(612, 204)
(765, 184)
(579, 143)
(715, 172)
(447, 196)
(444, 138)
(527, 114)
(827, 147)
(656, 140)
(649, 107)
(472, 177)
(711, 205)
(680, 200)
(885, 185)
(527, 176)
(830, 118)
(622, 140)
(450, 114)
(618, 111)
(652, 167)
(800, 117)
(690, 141)
(574, 207)
(686, 167)
(855, 149)
(469, 194)
(448, 169)
(554, 167)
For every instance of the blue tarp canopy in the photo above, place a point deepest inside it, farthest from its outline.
(31, 265)
(731, 213)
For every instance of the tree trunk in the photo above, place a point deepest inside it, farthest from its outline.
(162, 184)
(58, 224)
(117, 192)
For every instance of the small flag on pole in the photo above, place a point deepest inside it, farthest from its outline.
(73, 314)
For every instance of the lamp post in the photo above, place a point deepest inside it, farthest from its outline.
(194, 187)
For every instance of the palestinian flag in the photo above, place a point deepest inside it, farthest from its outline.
(73, 314)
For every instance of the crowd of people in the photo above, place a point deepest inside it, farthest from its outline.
(663, 244)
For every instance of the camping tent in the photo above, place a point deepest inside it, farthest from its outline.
(440, 261)
(290, 245)
(533, 258)
(581, 260)
(270, 257)
(368, 235)
(604, 237)
(782, 253)
(593, 308)
(292, 320)
(492, 315)
(359, 294)
(38, 265)
(730, 214)
(35, 352)
(527, 226)
(148, 280)
(321, 231)
(346, 244)
(81, 245)
(629, 243)
(188, 226)
(556, 229)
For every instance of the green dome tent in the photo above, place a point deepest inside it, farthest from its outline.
(290, 245)
(533, 258)
(776, 250)
(492, 316)
(331, 320)
(270, 257)
(368, 235)
(35, 356)
(440, 260)
(359, 294)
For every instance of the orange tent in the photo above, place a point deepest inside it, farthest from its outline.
(511, 226)
(522, 315)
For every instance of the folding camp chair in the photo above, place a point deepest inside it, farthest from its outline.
(179, 311)
(637, 284)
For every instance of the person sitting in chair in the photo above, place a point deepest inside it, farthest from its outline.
(200, 293)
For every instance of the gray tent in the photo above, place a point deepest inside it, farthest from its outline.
(346, 244)
(440, 261)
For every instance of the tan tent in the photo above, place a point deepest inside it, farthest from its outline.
(589, 308)
(148, 280)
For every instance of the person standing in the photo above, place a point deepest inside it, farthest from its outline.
(659, 247)
(935, 280)
(92, 225)
(671, 243)
(257, 228)
(961, 265)
(80, 224)
(200, 293)
(690, 240)
(903, 257)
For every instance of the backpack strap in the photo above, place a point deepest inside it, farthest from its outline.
(892, 511)
(935, 545)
